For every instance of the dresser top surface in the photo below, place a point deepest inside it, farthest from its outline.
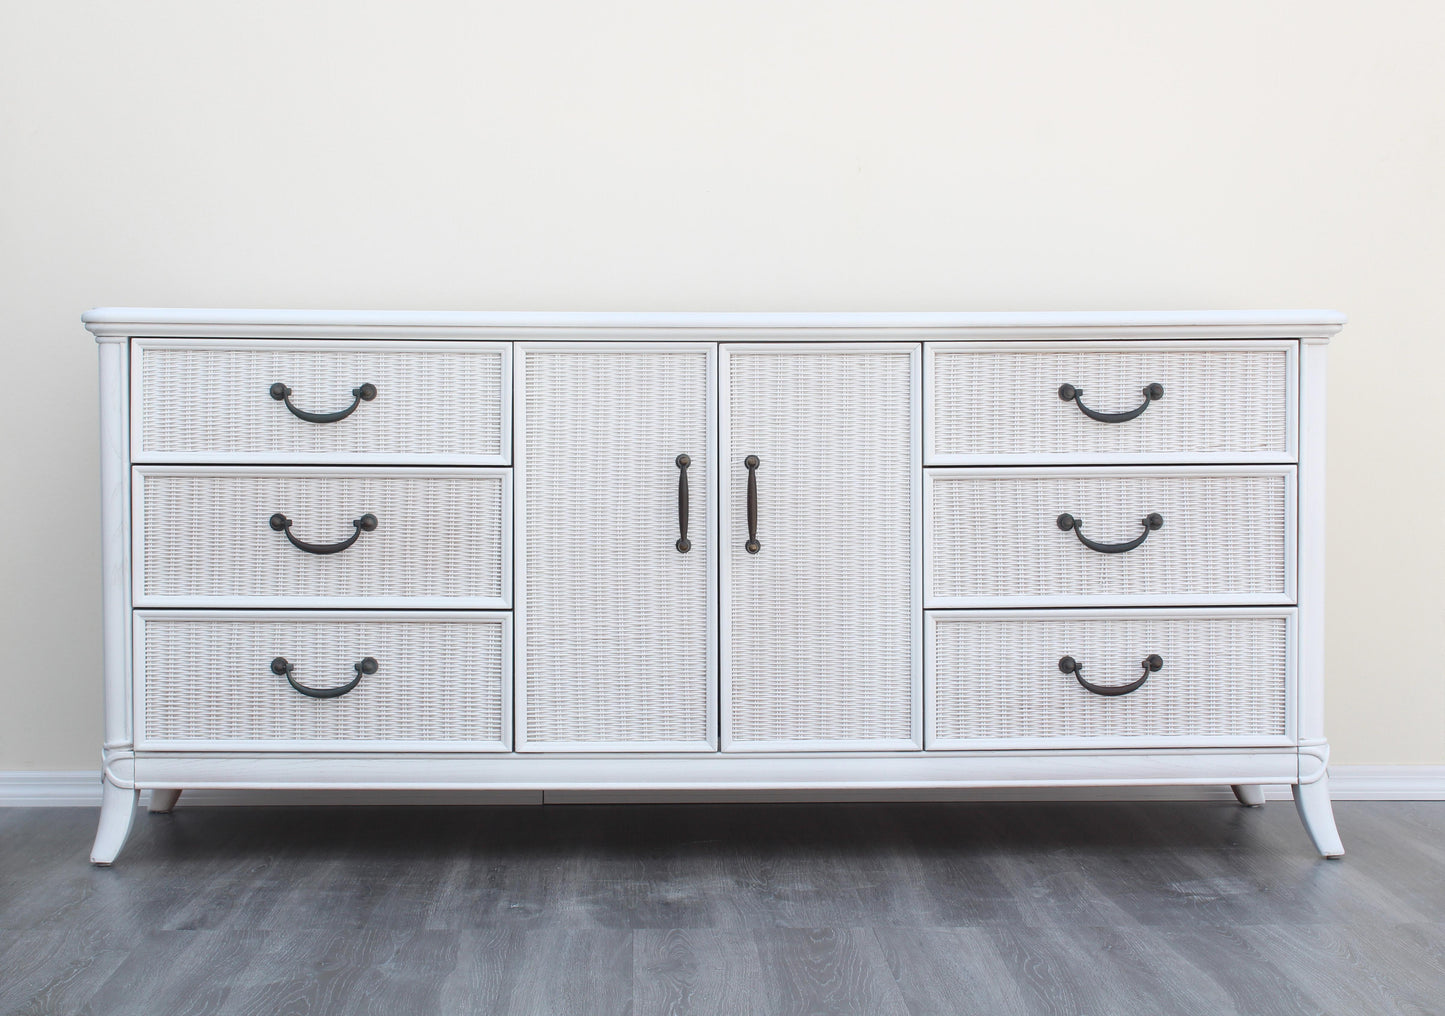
(115, 323)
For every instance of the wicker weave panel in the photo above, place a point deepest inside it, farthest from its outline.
(207, 679)
(617, 641)
(1222, 677)
(207, 534)
(989, 402)
(210, 399)
(997, 536)
(820, 629)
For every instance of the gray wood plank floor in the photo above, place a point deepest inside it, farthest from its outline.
(910, 909)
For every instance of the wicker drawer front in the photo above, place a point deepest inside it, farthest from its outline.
(211, 401)
(204, 537)
(205, 679)
(995, 539)
(1222, 402)
(994, 678)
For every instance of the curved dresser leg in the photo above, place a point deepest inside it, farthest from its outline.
(117, 811)
(1315, 811)
(162, 801)
(1251, 795)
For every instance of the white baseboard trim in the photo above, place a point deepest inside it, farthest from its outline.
(81, 789)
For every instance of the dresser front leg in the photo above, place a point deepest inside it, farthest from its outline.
(1316, 812)
(1251, 795)
(117, 811)
(162, 801)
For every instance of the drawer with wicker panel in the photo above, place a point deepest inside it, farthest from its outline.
(304, 680)
(239, 536)
(278, 401)
(1127, 402)
(1126, 536)
(1110, 679)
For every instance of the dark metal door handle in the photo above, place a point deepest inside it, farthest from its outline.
(752, 546)
(1152, 664)
(360, 394)
(683, 543)
(1152, 393)
(282, 667)
(365, 524)
(1150, 522)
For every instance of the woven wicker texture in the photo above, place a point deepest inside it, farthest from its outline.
(988, 402)
(1222, 677)
(616, 628)
(820, 632)
(216, 400)
(998, 536)
(208, 679)
(208, 534)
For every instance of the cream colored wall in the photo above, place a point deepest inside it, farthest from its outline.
(730, 156)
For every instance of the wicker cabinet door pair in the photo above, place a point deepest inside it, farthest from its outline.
(677, 598)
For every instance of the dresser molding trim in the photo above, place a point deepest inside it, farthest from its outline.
(121, 323)
(731, 772)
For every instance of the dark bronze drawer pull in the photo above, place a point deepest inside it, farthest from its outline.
(752, 546)
(365, 524)
(683, 543)
(363, 393)
(281, 667)
(1150, 522)
(1152, 664)
(1152, 393)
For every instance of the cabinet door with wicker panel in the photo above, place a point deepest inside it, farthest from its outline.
(820, 609)
(616, 647)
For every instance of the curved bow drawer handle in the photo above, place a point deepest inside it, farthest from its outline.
(365, 524)
(360, 394)
(1152, 393)
(282, 667)
(1152, 664)
(1150, 522)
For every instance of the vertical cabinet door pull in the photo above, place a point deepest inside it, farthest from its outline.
(683, 543)
(752, 546)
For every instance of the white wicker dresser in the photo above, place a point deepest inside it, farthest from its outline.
(711, 551)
